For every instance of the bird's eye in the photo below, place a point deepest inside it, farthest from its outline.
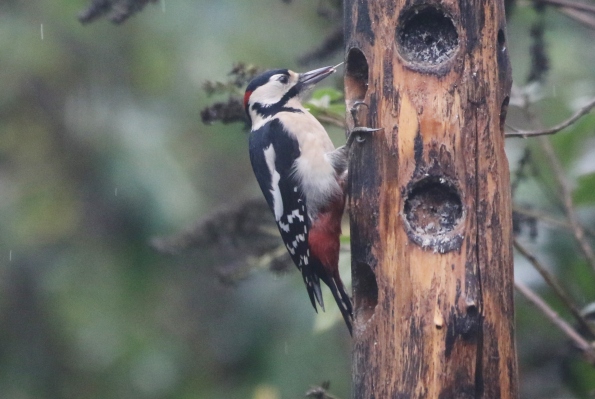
(284, 79)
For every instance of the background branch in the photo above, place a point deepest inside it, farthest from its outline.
(555, 285)
(583, 345)
(566, 194)
(580, 16)
(555, 129)
(575, 5)
(548, 219)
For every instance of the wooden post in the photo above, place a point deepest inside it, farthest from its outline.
(430, 199)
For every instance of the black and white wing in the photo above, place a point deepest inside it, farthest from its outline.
(273, 153)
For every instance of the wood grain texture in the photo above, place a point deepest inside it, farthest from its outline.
(430, 200)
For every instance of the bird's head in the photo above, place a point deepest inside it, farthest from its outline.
(279, 90)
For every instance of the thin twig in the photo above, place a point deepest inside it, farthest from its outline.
(331, 119)
(548, 219)
(542, 132)
(577, 229)
(555, 285)
(580, 16)
(542, 217)
(566, 194)
(575, 5)
(582, 344)
(532, 133)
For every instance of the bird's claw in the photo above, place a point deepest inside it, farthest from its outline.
(358, 134)
(354, 108)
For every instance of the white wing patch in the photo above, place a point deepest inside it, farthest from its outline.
(270, 156)
(295, 214)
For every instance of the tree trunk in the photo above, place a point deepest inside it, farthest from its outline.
(430, 199)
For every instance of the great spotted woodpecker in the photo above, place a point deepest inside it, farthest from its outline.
(302, 177)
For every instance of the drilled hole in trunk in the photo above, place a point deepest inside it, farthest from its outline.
(433, 212)
(433, 206)
(426, 36)
(356, 84)
(501, 38)
(503, 112)
(365, 292)
(356, 75)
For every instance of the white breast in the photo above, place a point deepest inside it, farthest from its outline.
(313, 168)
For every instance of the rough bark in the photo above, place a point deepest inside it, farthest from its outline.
(430, 200)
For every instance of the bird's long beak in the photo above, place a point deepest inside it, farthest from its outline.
(308, 79)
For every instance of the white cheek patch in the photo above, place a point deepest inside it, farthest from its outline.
(270, 156)
(268, 94)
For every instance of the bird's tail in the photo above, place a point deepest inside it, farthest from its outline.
(343, 302)
(312, 282)
(342, 298)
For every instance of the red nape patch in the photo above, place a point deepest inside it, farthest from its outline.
(247, 98)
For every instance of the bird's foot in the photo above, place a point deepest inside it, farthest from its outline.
(359, 134)
(354, 111)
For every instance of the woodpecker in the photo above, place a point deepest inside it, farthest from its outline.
(302, 177)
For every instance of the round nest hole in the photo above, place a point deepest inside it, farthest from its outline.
(427, 36)
(433, 207)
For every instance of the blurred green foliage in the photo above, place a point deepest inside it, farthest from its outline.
(102, 148)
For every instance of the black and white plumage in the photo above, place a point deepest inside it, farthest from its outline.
(301, 175)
